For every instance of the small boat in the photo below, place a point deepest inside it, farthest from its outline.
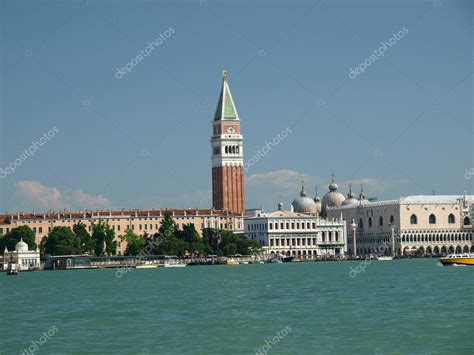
(146, 266)
(277, 261)
(175, 265)
(288, 259)
(232, 262)
(384, 258)
(458, 259)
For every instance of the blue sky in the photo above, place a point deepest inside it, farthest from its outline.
(402, 127)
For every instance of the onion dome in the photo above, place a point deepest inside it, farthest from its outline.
(362, 198)
(21, 246)
(333, 198)
(351, 200)
(304, 204)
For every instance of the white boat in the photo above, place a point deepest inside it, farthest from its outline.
(277, 261)
(146, 266)
(384, 258)
(175, 265)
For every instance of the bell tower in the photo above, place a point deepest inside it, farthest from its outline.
(227, 154)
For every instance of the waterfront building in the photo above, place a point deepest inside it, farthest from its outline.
(141, 222)
(24, 259)
(296, 234)
(227, 155)
(412, 225)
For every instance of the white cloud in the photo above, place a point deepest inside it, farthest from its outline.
(282, 179)
(34, 196)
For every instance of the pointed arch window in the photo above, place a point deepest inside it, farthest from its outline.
(451, 218)
(467, 221)
(413, 219)
(380, 221)
(432, 219)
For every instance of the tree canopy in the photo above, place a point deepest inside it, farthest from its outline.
(87, 243)
(61, 241)
(103, 237)
(15, 235)
(135, 243)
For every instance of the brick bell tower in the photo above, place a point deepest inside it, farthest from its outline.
(227, 155)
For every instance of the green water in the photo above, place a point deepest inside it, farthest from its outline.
(398, 307)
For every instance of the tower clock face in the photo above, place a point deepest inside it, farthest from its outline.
(230, 130)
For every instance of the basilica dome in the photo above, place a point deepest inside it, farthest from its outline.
(21, 246)
(304, 204)
(333, 198)
(351, 200)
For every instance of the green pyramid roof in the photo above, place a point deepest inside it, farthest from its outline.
(225, 107)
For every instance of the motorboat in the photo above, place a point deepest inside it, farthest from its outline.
(146, 266)
(232, 261)
(168, 264)
(457, 259)
(384, 258)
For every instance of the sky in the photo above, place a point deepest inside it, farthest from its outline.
(400, 120)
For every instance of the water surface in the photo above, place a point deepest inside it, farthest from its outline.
(393, 307)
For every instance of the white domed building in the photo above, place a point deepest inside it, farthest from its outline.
(332, 199)
(304, 204)
(24, 259)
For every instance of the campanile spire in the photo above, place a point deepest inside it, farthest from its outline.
(227, 154)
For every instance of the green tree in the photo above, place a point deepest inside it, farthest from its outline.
(168, 226)
(87, 243)
(61, 241)
(98, 235)
(110, 243)
(212, 240)
(15, 235)
(103, 237)
(135, 243)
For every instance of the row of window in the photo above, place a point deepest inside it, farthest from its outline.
(436, 238)
(432, 219)
(301, 241)
(228, 149)
(361, 222)
(281, 225)
(39, 230)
